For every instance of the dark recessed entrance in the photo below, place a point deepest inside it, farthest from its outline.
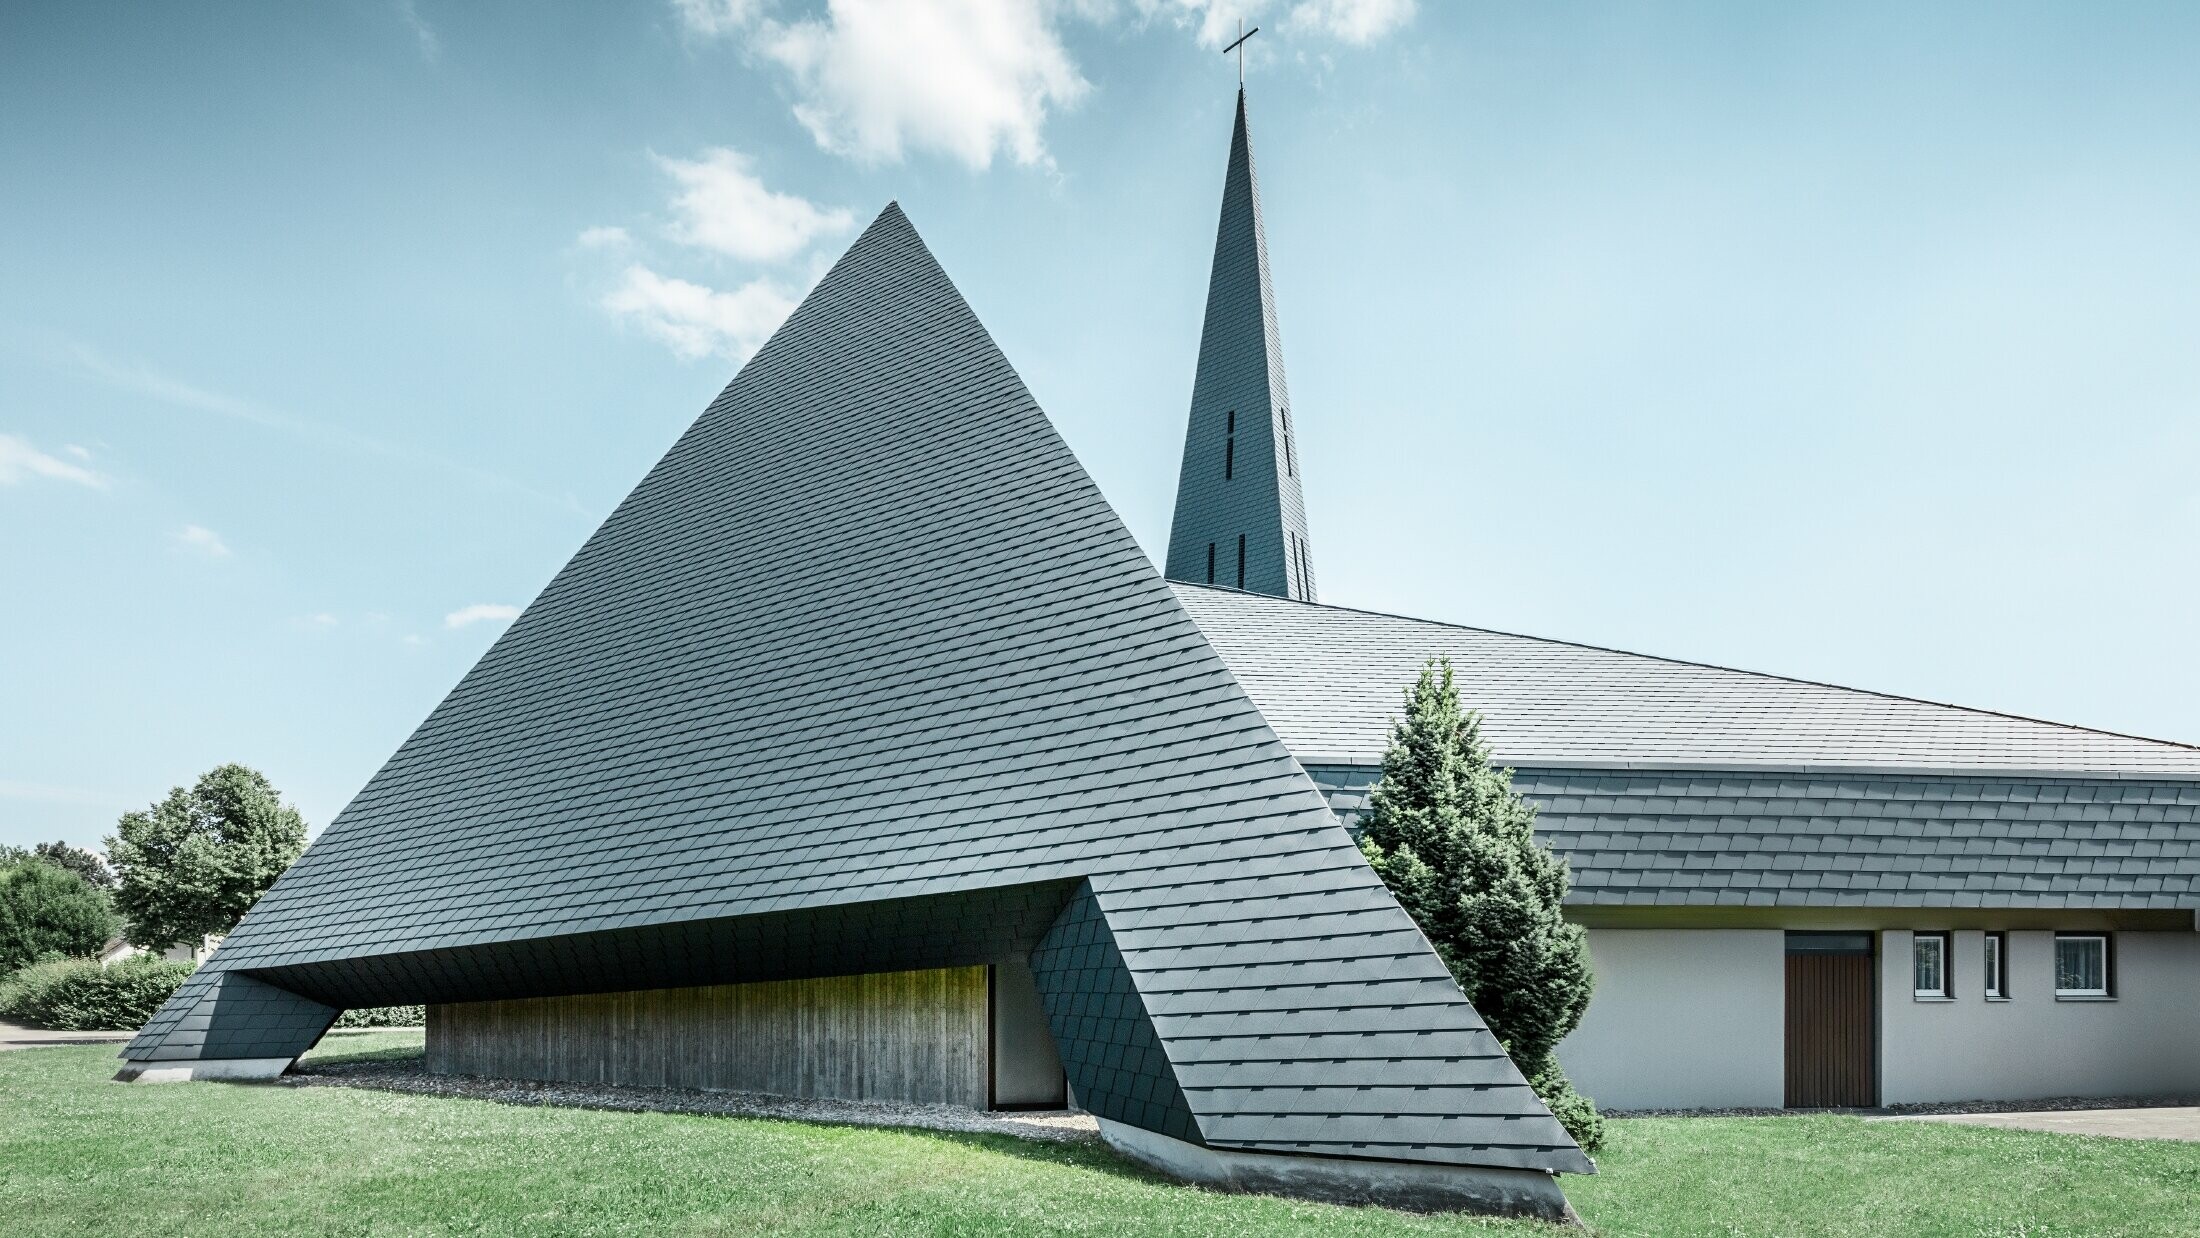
(1832, 1042)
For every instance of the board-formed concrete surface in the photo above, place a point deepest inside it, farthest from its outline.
(2167, 1122)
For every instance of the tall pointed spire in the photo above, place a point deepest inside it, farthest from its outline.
(1240, 518)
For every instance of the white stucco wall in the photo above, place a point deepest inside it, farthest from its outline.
(2144, 1043)
(1683, 1019)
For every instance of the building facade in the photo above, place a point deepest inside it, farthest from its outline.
(1797, 894)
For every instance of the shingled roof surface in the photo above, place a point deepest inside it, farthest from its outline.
(1676, 784)
(1730, 838)
(1330, 679)
(868, 631)
(1240, 514)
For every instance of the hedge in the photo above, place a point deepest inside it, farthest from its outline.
(385, 1016)
(78, 995)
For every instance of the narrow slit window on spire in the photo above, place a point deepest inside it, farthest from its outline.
(1241, 561)
(1210, 563)
(1229, 446)
(1288, 469)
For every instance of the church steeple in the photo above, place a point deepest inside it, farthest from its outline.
(1240, 519)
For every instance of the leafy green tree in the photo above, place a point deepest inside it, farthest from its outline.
(1456, 844)
(47, 911)
(192, 864)
(78, 860)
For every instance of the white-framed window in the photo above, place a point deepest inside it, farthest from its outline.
(2082, 965)
(1929, 965)
(1997, 952)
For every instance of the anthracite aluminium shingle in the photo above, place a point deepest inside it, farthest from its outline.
(1330, 680)
(1676, 784)
(1836, 838)
(866, 673)
(1240, 513)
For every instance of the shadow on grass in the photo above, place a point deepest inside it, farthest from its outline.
(351, 1046)
(397, 1064)
(399, 1070)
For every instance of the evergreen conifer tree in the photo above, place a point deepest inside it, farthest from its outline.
(1456, 844)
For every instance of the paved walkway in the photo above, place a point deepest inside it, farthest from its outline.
(2163, 1123)
(16, 1036)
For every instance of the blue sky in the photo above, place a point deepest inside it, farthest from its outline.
(1847, 341)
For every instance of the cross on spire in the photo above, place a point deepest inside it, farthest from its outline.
(1239, 47)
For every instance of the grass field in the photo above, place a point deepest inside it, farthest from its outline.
(79, 1155)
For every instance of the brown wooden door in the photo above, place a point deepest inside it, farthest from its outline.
(1829, 1029)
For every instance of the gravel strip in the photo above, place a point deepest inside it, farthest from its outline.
(1054, 1126)
(2053, 1104)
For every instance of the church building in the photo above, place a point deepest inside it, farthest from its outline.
(1796, 894)
(862, 753)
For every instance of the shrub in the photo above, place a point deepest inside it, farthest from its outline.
(78, 995)
(384, 1016)
(44, 908)
(1577, 1113)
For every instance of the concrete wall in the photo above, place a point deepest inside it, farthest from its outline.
(914, 1036)
(1683, 1019)
(1027, 1070)
(2146, 1042)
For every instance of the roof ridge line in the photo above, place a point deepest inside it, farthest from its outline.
(1714, 666)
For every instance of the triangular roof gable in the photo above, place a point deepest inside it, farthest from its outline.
(867, 628)
(868, 632)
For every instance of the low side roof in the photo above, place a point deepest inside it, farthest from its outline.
(1330, 681)
(1696, 838)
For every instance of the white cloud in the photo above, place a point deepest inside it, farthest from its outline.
(710, 19)
(698, 321)
(480, 612)
(1215, 22)
(1358, 22)
(414, 641)
(431, 46)
(322, 619)
(20, 460)
(603, 237)
(722, 207)
(963, 77)
(172, 391)
(205, 541)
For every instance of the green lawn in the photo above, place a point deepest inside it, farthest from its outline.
(81, 1156)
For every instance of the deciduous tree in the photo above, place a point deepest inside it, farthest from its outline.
(46, 910)
(81, 861)
(192, 864)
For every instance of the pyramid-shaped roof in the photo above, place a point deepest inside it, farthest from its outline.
(868, 633)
